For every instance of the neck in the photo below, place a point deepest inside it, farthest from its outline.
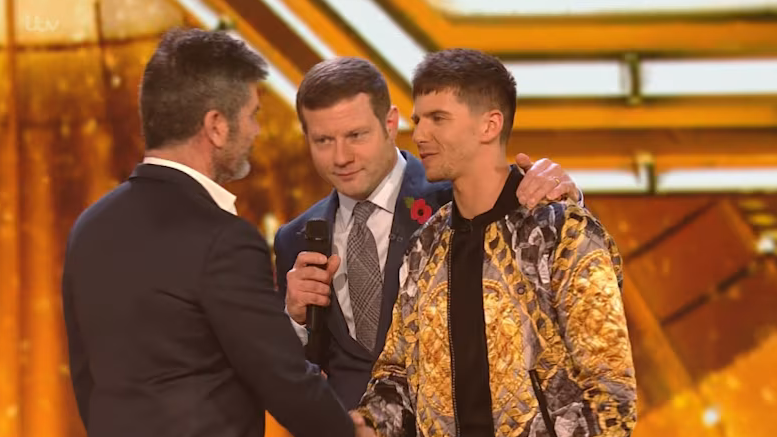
(477, 190)
(184, 154)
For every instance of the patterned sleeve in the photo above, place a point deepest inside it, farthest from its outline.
(387, 403)
(587, 277)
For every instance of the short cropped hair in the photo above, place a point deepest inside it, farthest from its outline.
(481, 81)
(334, 80)
(194, 71)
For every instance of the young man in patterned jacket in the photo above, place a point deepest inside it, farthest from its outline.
(493, 293)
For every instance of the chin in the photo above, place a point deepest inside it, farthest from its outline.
(434, 176)
(352, 190)
(242, 171)
(353, 193)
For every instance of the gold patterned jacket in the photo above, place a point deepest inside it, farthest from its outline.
(552, 302)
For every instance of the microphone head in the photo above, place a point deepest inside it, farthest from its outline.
(317, 229)
(317, 237)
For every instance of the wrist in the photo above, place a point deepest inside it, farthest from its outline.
(295, 316)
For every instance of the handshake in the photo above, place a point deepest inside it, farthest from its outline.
(362, 429)
(307, 284)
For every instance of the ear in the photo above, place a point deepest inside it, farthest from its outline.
(493, 121)
(392, 122)
(216, 128)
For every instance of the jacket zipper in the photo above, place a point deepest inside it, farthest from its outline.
(450, 337)
(542, 403)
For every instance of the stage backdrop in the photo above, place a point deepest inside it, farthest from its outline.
(701, 276)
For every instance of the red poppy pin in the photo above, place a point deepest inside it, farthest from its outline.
(419, 210)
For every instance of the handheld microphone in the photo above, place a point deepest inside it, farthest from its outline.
(317, 240)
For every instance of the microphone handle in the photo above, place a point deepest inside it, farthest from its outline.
(316, 324)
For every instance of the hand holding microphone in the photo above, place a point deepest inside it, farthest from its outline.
(309, 284)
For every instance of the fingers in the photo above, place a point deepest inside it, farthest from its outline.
(357, 418)
(307, 284)
(557, 185)
(566, 188)
(332, 265)
(556, 192)
(311, 273)
(544, 187)
(297, 304)
(309, 258)
(547, 180)
(316, 299)
(309, 290)
(308, 280)
(523, 161)
(301, 293)
(360, 425)
(533, 181)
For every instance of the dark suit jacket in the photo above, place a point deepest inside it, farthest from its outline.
(348, 363)
(173, 324)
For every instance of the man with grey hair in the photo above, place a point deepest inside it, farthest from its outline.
(174, 326)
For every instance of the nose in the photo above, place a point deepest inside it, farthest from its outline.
(420, 135)
(343, 153)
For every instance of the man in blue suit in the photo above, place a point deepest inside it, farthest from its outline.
(381, 197)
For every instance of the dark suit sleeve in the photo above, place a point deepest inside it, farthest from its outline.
(247, 317)
(80, 375)
(282, 263)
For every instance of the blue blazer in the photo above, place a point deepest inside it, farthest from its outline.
(348, 364)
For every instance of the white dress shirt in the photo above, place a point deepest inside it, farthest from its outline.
(223, 198)
(379, 223)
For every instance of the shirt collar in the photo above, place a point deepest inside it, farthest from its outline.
(505, 203)
(223, 198)
(384, 196)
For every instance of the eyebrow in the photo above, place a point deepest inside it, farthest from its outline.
(318, 136)
(431, 113)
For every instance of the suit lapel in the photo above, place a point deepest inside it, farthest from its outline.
(337, 324)
(414, 187)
